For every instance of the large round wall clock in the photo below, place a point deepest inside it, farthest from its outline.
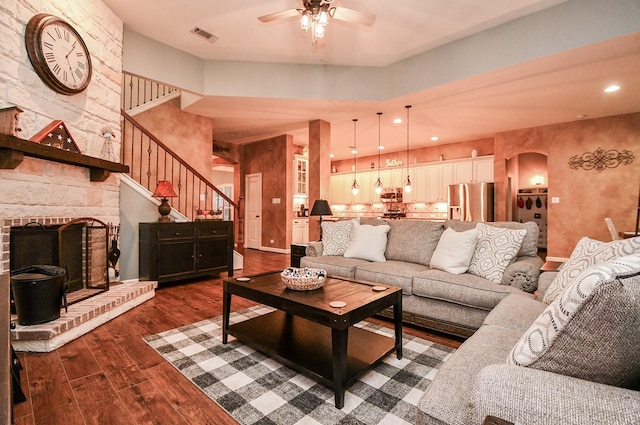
(58, 54)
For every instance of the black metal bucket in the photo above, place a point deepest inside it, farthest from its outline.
(38, 292)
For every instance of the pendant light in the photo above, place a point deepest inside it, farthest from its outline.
(407, 185)
(355, 188)
(378, 185)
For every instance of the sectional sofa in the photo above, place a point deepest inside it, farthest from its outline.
(568, 357)
(450, 301)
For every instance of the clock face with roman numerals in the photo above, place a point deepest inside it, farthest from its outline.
(58, 54)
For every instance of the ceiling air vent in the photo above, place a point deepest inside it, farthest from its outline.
(204, 34)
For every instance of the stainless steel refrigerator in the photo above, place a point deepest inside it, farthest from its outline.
(471, 201)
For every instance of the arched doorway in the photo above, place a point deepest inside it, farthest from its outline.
(529, 179)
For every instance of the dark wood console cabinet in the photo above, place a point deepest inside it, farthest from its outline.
(176, 251)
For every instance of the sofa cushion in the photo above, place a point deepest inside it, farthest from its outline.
(334, 265)
(394, 273)
(515, 311)
(592, 331)
(496, 248)
(454, 251)
(587, 253)
(465, 289)
(529, 246)
(335, 236)
(447, 398)
(413, 241)
(367, 242)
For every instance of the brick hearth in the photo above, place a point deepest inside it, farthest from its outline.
(82, 317)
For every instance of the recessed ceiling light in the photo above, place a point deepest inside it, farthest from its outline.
(397, 121)
(331, 155)
(434, 138)
(612, 88)
(380, 147)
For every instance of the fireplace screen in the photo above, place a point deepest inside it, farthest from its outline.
(79, 246)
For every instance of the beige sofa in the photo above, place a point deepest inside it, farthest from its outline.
(454, 303)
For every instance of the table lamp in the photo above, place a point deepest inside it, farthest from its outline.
(320, 207)
(164, 191)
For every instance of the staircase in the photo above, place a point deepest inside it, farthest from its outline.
(150, 160)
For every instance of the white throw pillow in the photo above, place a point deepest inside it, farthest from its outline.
(587, 253)
(591, 331)
(496, 248)
(454, 251)
(335, 236)
(368, 242)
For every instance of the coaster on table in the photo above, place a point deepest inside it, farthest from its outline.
(379, 288)
(337, 304)
(243, 279)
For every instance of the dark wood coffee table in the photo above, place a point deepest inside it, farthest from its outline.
(309, 335)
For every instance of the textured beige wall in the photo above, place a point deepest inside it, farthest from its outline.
(586, 196)
(274, 159)
(188, 135)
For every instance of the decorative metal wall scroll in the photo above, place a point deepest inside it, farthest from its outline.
(601, 159)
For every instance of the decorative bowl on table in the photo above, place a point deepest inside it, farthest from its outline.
(303, 279)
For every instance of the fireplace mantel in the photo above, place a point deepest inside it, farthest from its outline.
(13, 150)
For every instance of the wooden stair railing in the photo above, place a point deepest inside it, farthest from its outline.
(150, 160)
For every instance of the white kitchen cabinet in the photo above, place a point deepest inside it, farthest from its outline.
(300, 230)
(364, 182)
(434, 188)
(300, 175)
(340, 185)
(473, 170)
(483, 169)
(463, 172)
(447, 179)
(421, 182)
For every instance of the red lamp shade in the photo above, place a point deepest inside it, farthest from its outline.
(164, 190)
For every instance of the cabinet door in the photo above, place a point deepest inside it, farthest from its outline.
(296, 232)
(213, 246)
(463, 172)
(364, 193)
(340, 186)
(398, 177)
(212, 253)
(483, 170)
(434, 180)
(421, 183)
(447, 179)
(300, 166)
(176, 257)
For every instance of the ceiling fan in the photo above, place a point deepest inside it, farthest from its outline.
(315, 14)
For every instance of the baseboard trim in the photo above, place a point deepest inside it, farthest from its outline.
(277, 250)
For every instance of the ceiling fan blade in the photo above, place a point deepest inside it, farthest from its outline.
(285, 14)
(353, 16)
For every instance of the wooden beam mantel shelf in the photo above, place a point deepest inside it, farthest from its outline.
(14, 149)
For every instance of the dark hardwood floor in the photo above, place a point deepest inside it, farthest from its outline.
(111, 376)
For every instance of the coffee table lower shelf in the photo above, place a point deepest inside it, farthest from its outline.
(307, 346)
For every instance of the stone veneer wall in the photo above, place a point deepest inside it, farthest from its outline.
(46, 191)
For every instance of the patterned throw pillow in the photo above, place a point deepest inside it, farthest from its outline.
(587, 253)
(592, 330)
(496, 248)
(335, 236)
(368, 242)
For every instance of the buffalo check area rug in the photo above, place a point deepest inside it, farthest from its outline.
(255, 389)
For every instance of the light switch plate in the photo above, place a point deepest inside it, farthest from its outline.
(555, 199)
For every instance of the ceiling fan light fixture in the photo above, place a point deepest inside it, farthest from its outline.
(305, 21)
